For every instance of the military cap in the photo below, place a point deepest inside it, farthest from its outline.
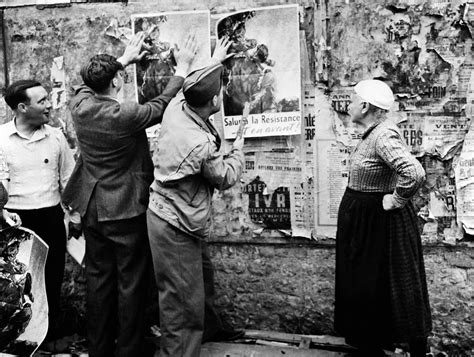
(202, 84)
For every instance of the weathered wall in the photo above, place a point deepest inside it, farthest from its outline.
(266, 278)
(290, 288)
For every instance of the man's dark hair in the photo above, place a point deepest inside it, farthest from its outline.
(16, 92)
(99, 71)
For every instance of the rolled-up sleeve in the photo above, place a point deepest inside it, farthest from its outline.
(222, 171)
(66, 161)
(395, 154)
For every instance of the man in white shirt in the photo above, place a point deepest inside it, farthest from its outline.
(40, 163)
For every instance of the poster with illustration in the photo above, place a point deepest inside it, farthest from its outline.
(23, 302)
(165, 32)
(264, 71)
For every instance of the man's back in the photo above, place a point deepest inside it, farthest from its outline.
(188, 166)
(114, 162)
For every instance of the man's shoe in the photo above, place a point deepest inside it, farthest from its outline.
(225, 335)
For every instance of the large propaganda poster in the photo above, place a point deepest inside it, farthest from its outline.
(165, 31)
(264, 71)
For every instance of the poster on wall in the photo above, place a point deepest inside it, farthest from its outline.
(264, 71)
(269, 178)
(333, 175)
(23, 303)
(164, 31)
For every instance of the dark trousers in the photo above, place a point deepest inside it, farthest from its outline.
(48, 224)
(117, 265)
(184, 277)
(212, 321)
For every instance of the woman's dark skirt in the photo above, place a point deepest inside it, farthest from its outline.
(381, 294)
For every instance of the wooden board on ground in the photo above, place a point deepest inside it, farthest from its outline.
(217, 349)
(323, 341)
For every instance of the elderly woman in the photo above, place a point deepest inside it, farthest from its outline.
(381, 294)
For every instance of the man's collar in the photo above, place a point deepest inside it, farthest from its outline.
(372, 127)
(195, 116)
(38, 134)
(204, 124)
(107, 97)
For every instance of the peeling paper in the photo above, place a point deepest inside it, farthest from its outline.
(469, 17)
(58, 78)
(437, 134)
(119, 33)
(302, 209)
(301, 232)
(464, 171)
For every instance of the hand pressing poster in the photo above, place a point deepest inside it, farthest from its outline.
(165, 32)
(264, 71)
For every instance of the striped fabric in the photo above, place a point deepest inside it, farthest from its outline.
(381, 162)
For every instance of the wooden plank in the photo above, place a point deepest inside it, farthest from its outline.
(316, 340)
(317, 343)
(215, 349)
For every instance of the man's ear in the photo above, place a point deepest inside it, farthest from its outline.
(22, 108)
(215, 100)
(365, 107)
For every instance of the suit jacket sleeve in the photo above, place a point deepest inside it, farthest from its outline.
(138, 117)
(130, 117)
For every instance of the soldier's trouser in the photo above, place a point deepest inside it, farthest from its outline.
(177, 261)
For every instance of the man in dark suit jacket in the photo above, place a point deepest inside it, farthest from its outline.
(109, 187)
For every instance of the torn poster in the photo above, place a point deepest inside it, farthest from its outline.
(265, 71)
(58, 79)
(270, 209)
(441, 206)
(435, 133)
(464, 170)
(23, 303)
(122, 34)
(275, 168)
(271, 178)
(302, 190)
(302, 209)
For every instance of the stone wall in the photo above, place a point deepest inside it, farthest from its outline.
(290, 288)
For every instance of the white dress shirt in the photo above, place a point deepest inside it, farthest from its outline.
(39, 167)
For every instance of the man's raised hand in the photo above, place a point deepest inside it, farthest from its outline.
(133, 52)
(220, 51)
(185, 55)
